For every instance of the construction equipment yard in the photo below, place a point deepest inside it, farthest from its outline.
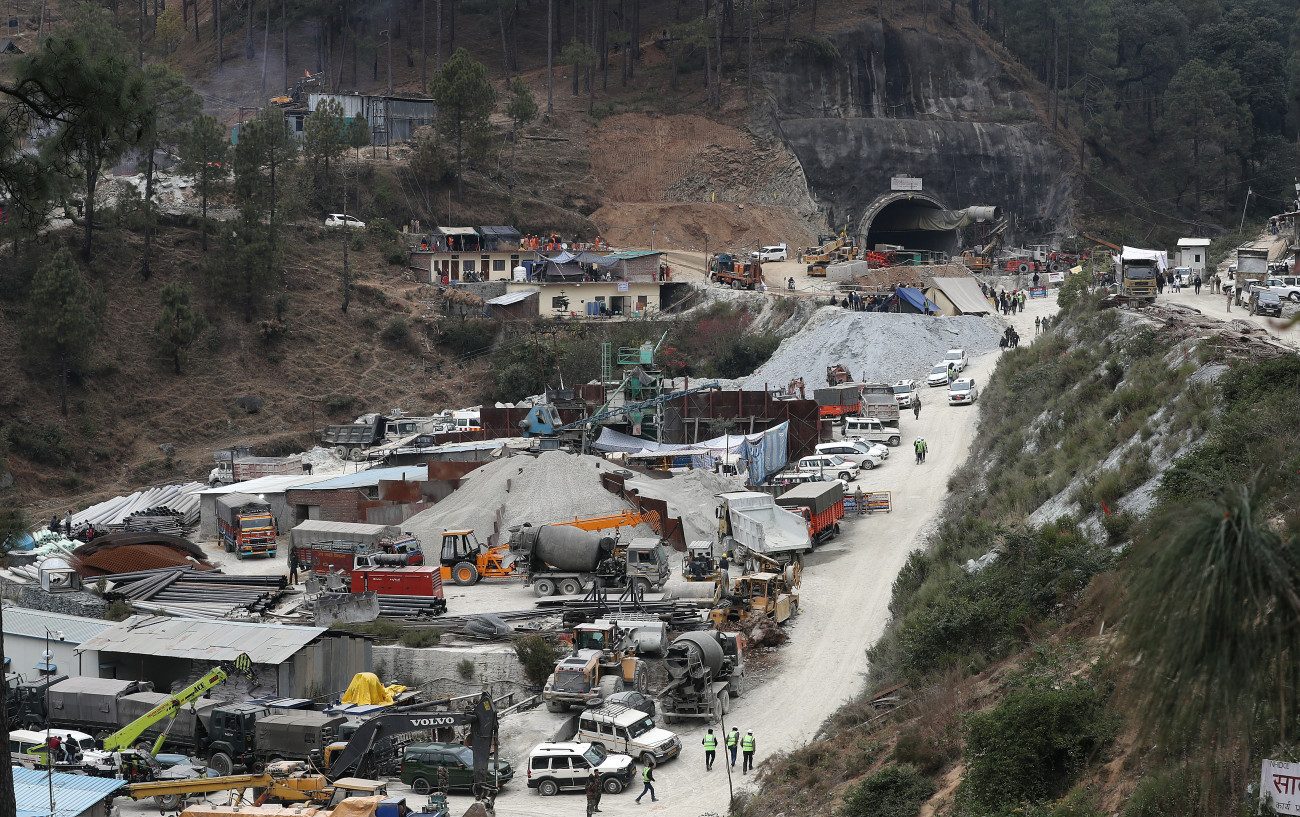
(789, 690)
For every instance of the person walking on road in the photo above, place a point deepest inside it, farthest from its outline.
(733, 743)
(648, 778)
(1196, 284)
(916, 409)
(921, 448)
(1038, 322)
(710, 750)
(593, 793)
(747, 749)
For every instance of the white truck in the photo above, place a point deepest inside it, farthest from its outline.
(750, 521)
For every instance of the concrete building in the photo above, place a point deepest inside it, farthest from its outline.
(1193, 254)
(584, 298)
(75, 795)
(289, 662)
(269, 489)
(25, 640)
(379, 496)
(391, 120)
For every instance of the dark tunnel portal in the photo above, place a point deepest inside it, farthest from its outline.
(895, 223)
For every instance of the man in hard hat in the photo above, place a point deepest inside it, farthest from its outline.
(733, 743)
(710, 750)
(747, 745)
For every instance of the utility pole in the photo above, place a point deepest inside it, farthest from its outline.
(550, 44)
(1249, 192)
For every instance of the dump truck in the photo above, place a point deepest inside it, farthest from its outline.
(821, 504)
(752, 522)
(247, 525)
(235, 467)
(1136, 271)
(1252, 268)
(350, 440)
(566, 559)
(706, 669)
(603, 662)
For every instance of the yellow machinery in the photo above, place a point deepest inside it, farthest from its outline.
(614, 520)
(700, 565)
(292, 788)
(602, 663)
(465, 559)
(757, 594)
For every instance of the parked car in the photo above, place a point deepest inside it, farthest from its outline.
(905, 393)
(871, 429)
(340, 220)
(938, 375)
(421, 761)
(776, 252)
(829, 465)
(962, 391)
(1286, 286)
(628, 731)
(1184, 276)
(1266, 302)
(859, 453)
(793, 477)
(957, 357)
(557, 767)
(635, 700)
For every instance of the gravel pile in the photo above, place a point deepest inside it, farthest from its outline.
(878, 346)
(552, 487)
(690, 495)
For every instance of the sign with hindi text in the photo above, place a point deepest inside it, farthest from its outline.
(1056, 277)
(1280, 782)
(905, 183)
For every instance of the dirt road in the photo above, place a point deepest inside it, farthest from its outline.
(1216, 306)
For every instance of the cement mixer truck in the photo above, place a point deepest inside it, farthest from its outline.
(706, 669)
(567, 560)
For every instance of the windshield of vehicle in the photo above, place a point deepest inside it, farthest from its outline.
(640, 727)
(952, 356)
(837, 460)
(939, 370)
(1268, 296)
(465, 756)
(589, 640)
(862, 447)
(254, 522)
(960, 385)
(595, 755)
(900, 389)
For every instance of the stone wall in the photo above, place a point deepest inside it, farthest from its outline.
(76, 603)
(436, 670)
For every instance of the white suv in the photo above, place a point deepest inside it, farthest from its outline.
(956, 358)
(340, 220)
(905, 393)
(629, 732)
(557, 767)
(830, 466)
(776, 252)
(864, 454)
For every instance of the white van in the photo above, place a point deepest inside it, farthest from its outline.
(557, 767)
(870, 429)
(467, 420)
(628, 731)
(21, 741)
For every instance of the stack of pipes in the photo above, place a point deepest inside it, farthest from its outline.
(189, 593)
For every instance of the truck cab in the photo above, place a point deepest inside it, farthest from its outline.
(232, 735)
(647, 563)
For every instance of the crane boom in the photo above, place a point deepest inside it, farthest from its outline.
(1104, 243)
(125, 737)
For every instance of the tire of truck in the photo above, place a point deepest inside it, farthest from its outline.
(570, 587)
(836, 530)
(724, 702)
(543, 588)
(420, 785)
(609, 685)
(895, 440)
(548, 788)
(357, 454)
(1294, 296)
(221, 763)
(612, 785)
(340, 452)
(1023, 268)
(239, 555)
(168, 802)
(229, 547)
(647, 758)
(556, 706)
(734, 286)
(464, 574)
(670, 718)
(643, 585)
(641, 677)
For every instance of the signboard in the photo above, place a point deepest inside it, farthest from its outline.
(1056, 277)
(1076, 270)
(1279, 782)
(622, 286)
(905, 183)
(1038, 292)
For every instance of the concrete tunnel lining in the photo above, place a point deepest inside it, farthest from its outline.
(891, 220)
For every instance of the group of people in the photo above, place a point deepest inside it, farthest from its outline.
(1009, 302)
(855, 302)
(734, 741)
(1011, 338)
(62, 750)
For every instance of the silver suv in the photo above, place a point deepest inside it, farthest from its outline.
(557, 767)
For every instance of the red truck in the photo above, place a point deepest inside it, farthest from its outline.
(247, 525)
(821, 504)
(842, 400)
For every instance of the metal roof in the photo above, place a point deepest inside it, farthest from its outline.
(73, 793)
(20, 621)
(1193, 242)
(512, 297)
(365, 479)
(456, 230)
(500, 231)
(204, 640)
(274, 484)
(626, 254)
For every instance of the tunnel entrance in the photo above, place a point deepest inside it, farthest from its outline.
(912, 220)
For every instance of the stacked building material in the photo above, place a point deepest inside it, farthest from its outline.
(130, 551)
(181, 501)
(679, 616)
(188, 593)
(411, 606)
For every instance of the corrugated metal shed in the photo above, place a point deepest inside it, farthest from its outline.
(277, 483)
(34, 623)
(627, 254)
(73, 793)
(511, 297)
(371, 478)
(204, 640)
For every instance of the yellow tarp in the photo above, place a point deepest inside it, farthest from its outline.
(366, 689)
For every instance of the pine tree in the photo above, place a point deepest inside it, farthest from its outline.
(203, 153)
(63, 318)
(178, 324)
(465, 99)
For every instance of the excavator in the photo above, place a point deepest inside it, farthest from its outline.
(834, 248)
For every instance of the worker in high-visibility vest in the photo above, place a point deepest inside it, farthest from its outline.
(648, 778)
(710, 750)
(747, 749)
(733, 743)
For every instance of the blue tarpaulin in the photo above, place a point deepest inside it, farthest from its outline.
(917, 300)
(761, 454)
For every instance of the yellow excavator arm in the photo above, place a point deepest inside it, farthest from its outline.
(613, 520)
(126, 736)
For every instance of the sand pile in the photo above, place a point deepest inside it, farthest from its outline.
(877, 346)
(552, 487)
(692, 495)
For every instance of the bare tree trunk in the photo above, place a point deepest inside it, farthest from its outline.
(717, 29)
(40, 35)
(1067, 78)
(451, 24)
(249, 53)
(424, 45)
(749, 63)
(148, 212)
(63, 385)
(143, 8)
(266, 43)
(550, 56)
(812, 27)
(437, 47)
(8, 807)
(284, 39)
(636, 38)
(505, 50)
(392, 19)
(92, 180)
(216, 27)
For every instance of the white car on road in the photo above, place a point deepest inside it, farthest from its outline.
(340, 220)
(831, 466)
(862, 453)
(962, 391)
(938, 375)
(776, 252)
(957, 357)
(905, 393)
